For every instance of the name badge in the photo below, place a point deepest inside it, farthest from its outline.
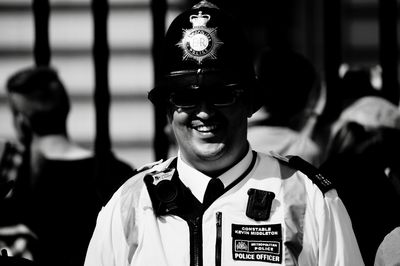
(257, 243)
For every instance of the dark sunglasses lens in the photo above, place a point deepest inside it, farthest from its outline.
(184, 99)
(223, 98)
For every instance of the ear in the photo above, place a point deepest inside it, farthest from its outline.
(170, 114)
(22, 126)
(22, 119)
(249, 114)
(255, 98)
(169, 118)
(251, 108)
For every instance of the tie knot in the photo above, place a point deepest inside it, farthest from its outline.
(214, 189)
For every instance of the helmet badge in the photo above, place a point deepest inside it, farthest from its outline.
(199, 42)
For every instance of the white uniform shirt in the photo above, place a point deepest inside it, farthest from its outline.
(304, 227)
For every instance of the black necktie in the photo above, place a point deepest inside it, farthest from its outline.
(214, 189)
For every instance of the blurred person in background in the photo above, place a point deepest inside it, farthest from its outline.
(364, 165)
(62, 191)
(290, 92)
(362, 159)
(359, 101)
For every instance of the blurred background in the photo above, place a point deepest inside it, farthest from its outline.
(329, 33)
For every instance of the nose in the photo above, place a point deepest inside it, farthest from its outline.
(205, 110)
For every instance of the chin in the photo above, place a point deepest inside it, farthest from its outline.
(211, 151)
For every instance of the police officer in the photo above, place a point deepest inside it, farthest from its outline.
(219, 202)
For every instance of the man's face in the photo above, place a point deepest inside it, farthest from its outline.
(211, 137)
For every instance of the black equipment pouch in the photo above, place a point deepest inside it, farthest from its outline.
(168, 194)
(163, 191)
(259, 204)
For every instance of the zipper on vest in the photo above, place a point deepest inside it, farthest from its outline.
(196, 241)
(218, 242)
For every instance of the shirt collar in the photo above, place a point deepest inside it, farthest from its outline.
(197, 182)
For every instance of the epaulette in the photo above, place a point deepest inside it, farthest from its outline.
(148, 166)
(140, 172)
(296, 162)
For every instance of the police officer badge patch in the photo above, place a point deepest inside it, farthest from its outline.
(257, 243)
(200, 42)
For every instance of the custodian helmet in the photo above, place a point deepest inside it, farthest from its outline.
(205, 48)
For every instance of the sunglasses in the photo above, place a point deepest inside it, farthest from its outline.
(193, 98)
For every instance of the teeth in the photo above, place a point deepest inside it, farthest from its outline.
(205, 128)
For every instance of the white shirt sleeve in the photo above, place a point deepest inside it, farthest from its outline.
(107, 246)
(328, 232)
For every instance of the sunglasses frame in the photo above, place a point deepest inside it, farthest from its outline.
(236, 93)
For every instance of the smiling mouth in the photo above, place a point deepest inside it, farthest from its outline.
(206, 129)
